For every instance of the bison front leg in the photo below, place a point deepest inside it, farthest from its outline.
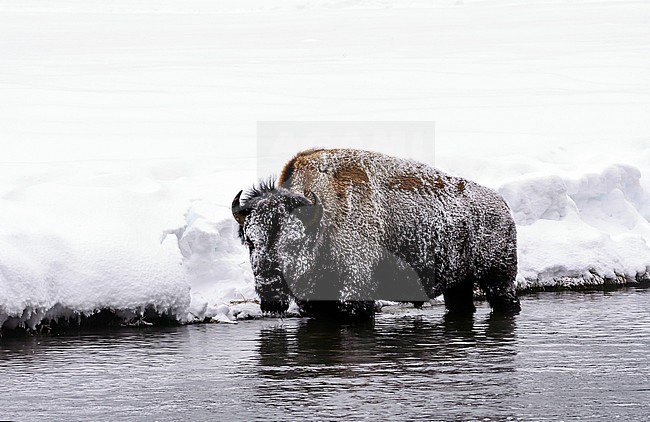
(355, 302)
(357, 310)
(338, 310)
(359, 291)
(335, 295)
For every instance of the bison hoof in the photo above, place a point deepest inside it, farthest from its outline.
(338, 311)
(506, 306)
(418, 304)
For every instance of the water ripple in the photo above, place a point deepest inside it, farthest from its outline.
(566, 356)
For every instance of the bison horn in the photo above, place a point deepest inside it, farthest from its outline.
(312, 214)
(238, 211)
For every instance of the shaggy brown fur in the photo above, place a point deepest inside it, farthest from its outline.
(387, 228)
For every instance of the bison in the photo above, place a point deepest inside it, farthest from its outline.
(342, 228)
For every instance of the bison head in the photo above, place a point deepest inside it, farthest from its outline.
(280, 229)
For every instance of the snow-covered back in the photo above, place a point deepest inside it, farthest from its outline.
(116, 118)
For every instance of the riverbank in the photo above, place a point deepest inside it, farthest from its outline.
(104, 319)
(590, 282)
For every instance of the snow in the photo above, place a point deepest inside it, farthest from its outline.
(121, 122)
(215, 264)
(576, 227)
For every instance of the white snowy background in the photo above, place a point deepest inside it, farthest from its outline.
(121, 121)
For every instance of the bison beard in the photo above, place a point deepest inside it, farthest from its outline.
(347, 227)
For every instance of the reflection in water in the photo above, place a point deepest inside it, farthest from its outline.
(566, 356)
(311, 344)
(441, 361)
(501, 327)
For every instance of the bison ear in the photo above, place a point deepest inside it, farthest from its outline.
(311, 215)
(238, 211)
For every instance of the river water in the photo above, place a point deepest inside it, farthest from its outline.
(566, 356)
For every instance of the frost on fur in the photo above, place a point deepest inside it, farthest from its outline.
(344, 228)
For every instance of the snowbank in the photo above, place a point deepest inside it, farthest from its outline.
(585, 230)
(81, 237)
(73, 242)
(216, 265)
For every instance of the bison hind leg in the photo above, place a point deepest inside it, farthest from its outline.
(459, 300)
(499, 289)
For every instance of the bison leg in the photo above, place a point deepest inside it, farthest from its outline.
(500, 293)
(459, 300)
(357, 310)
(337, 310)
